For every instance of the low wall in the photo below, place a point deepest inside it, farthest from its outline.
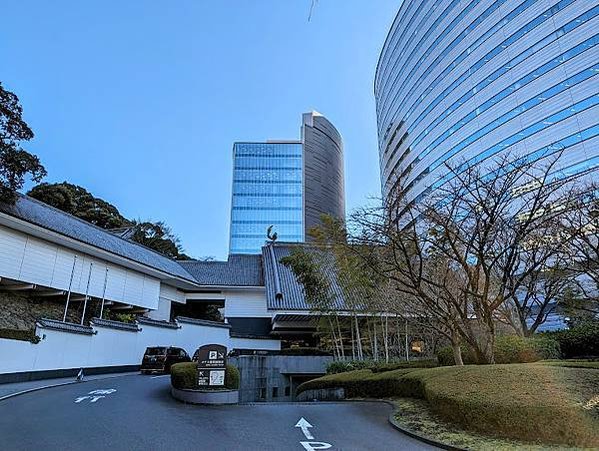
(205, 396)
(107, 344)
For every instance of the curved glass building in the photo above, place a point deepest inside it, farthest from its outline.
(465, 80)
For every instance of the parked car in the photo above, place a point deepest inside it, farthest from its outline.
(158, 359)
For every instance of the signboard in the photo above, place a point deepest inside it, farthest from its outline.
(212, 363)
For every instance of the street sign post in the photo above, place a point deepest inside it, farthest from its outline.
(212, 364)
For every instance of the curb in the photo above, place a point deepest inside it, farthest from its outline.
(419, 437)
(60, 384)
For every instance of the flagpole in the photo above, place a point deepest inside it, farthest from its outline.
(66, 307)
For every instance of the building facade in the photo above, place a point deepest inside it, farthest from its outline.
(287, 185)
(465, 81)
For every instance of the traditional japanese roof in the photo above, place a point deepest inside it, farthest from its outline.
(283, 291)
(35, 212)
(238, 271)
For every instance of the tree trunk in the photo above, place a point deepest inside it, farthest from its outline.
(359, 338)
(457, 350)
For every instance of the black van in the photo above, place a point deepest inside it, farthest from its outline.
(158, 359)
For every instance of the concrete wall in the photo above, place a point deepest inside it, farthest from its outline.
(267, 378)
(112, 347)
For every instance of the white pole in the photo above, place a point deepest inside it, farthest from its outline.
(104, 294)
(66, 307)
(91, 265)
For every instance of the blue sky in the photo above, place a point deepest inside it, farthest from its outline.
(140, 101)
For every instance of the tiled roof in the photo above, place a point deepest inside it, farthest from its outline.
(238, 270)
(65, 327)
(288, 293)
(100, 322)
(144, 320)
(50, 218)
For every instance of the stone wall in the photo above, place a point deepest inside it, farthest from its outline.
(21, 310)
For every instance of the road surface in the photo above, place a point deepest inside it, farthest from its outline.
(137, 413)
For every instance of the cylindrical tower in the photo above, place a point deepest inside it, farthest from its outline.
(463, 81)
(324, 190)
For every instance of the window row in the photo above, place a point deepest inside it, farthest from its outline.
(533, 75)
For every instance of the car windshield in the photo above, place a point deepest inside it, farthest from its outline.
(156, 351)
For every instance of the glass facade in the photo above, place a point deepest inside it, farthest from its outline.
(267, 190)
(459, 82)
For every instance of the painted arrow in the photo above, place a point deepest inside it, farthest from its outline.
(304, 425)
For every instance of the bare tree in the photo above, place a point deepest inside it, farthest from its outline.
(465, 254)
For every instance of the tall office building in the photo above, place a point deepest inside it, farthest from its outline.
(286, 184)
(464, 81)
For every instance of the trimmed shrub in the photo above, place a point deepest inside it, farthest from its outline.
(304, 351)
(514, 349)
(523, 401)
(232, 378)
(381, 367)
(581, 340)
(508, 349)
(184, 376)
(20, 334)
(343, 366)
(445, 356)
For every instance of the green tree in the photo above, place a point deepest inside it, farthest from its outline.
(81, 203)
(15, 162)
(160, 237)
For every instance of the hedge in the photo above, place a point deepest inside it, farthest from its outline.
(184, 376)
(509, 349)
(342, 366)
(579, 341)
(523, 401)
(20, 334)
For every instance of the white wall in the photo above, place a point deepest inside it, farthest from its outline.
(28, 259)
(246, 304)
(111, 347)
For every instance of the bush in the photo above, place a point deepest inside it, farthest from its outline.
(343, 366)
(508, 349)
(20, 334)
(581, 340)
(184, 376)
(304, 351)
(381, 367)
(521, 401)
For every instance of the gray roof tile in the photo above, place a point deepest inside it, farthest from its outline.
(238, 270)
(292, 295)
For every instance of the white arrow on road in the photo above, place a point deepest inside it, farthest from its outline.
(304, 425)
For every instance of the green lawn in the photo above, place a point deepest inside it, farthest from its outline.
(533, 402)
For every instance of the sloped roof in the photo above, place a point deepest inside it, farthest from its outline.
(288, 293)
(50, 218)
(238, 270)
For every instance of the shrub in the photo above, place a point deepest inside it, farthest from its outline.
(508, 349)
(581, 340)
(381, 367)
(445, 356)
(342, 366)
(20, 334)
(521, 401)
(304, 351)
(184, 376)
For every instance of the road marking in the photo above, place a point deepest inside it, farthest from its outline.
(164, 375)
(95, 395)
(311, 446)
(304, 426)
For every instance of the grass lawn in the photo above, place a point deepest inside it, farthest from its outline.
(537, 402)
